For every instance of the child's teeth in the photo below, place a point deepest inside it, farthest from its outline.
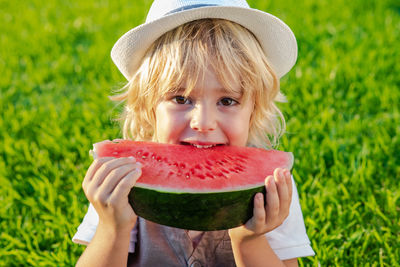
(200, 146)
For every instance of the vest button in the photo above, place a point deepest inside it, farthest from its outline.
(195, 264)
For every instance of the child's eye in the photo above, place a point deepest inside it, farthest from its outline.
(181, 100)
(227, 101)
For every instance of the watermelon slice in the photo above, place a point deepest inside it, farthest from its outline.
(196, 188)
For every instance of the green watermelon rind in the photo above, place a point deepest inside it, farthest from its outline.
(197, 211)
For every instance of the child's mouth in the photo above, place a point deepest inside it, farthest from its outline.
(202, 145)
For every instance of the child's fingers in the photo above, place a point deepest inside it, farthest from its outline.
(125, 185)
(283, 191)
(272, 207)
(289, 183)
(109, 168)
(96, 164)
(258, 210)
(116, 175)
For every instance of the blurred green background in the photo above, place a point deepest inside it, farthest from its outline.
(343, 122)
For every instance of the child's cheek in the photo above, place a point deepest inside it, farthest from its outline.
(169, 124)
(237, 129)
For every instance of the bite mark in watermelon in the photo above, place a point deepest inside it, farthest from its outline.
(196, 188)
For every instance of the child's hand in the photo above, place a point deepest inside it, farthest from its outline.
(107, 184)
(268, 217)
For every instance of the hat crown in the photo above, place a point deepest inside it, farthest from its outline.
(276, 38)
(161, 8)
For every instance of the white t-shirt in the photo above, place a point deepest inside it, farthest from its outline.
(288, 241)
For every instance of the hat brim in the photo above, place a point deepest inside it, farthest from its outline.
(275, 37)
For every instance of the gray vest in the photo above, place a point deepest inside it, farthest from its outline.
(164, 246)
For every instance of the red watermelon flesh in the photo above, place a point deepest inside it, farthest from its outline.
(185, 168)
(193, 188)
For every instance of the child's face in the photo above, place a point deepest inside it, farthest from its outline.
(208, 116)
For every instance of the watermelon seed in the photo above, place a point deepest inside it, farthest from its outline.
(198, 167)
(238, 169)
(225, 171)
(187, 176)
(220, 174)
(170, 173)
(144, 157)
(224, 161)
(210, 175)
(159, 159)
(209, 162)
(201, 176)
(182, 165)
(233, 170)
(208, 167)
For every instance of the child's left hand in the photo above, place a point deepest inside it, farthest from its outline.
(267, 218)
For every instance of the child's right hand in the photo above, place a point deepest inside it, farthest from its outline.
(107, 184)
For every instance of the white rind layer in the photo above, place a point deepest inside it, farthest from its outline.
(196, 191)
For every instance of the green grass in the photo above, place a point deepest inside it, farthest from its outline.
(343, 122)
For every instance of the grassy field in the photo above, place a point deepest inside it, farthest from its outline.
(343, 122)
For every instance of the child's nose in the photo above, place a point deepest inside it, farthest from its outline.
(203, 119)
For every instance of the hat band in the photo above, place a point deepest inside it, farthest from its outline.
(187, 8)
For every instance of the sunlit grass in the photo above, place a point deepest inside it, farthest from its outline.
(343, 123)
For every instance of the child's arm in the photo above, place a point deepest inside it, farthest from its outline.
(249, 243)
(106, 185)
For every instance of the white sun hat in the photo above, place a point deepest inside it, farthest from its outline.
(275, 37)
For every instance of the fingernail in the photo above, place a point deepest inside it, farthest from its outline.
(259, 199)
(271, 181)
(283, 174)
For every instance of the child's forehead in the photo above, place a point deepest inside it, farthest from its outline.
(209, 81)
(199, 90)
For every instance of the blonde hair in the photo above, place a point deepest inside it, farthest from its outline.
(183, 55)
